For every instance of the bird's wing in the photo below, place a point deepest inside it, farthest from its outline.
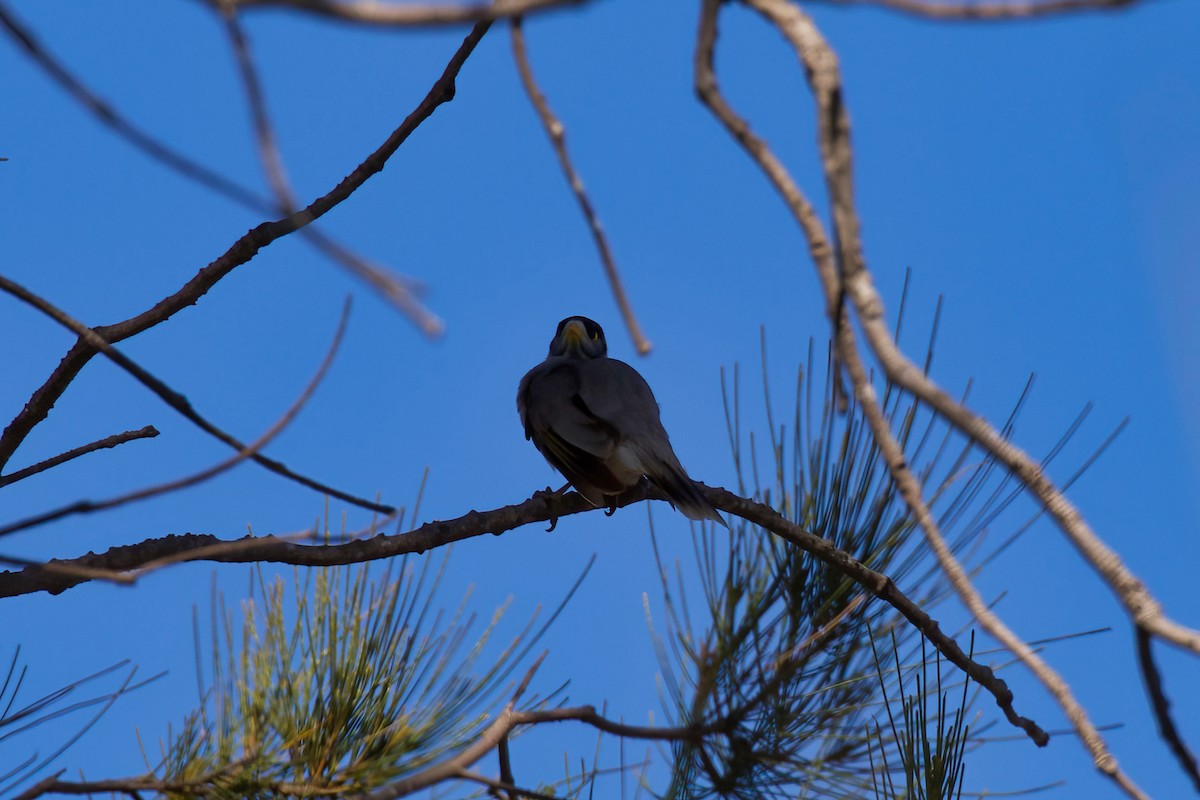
(573, 439)
(615, 393)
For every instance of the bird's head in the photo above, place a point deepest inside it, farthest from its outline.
(578, 337)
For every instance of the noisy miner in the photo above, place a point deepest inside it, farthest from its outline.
(596, 421)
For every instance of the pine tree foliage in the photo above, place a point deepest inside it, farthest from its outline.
(772, 682)
(19, 716)
(931, 748)
(780, 655)
(348, 684)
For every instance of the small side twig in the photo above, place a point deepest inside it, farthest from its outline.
(285, 197)
(557, 133)
(502, 787)
(148, 432)
(1162, 707)
(239, 253)
(247, 451)
(506, 773)
(395, 288)
(168, 395)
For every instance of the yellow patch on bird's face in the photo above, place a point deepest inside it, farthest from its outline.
(575, 332)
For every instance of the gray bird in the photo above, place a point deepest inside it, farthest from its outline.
(596, 421)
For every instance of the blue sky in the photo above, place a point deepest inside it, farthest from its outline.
(1044, 177)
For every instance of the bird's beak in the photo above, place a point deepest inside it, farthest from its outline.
(574, 333)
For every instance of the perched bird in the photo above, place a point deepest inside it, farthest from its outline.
(596, 421)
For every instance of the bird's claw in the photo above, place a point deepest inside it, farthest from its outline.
(548, 495)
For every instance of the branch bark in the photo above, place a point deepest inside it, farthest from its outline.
(413, 15)
(558, 140)
(989, 11)
(90, 338)
(543, 507)
(242, 251)
(397, 289)
(247, 451)
(148, 432)
(842, 268)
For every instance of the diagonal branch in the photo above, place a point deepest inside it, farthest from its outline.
(557, 133)
(147, 432)
(397, 289)
(238, 254)
(1162, 707)
(821, 70)
(174, 399)
(272, 160)
(1141, 606)
(247, 451)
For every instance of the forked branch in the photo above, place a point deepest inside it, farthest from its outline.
(244, 249)
(395, 288)
(838, 269)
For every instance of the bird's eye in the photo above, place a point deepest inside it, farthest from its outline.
(595, 335)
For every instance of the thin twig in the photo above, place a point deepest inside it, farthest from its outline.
(505, 723)
(1162, 707)
(174, 399)
(834, 266)
(455, 767)
(239, 253)
(148, 432)
(989, 11)
(277, 179)
(395, 288)
(510, 789)
(247, 451)
(506, 772)
(557, 133)
(414, 15)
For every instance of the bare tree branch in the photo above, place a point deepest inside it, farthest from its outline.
(413, 15)
(988, 10)
(247, 451)
(239, 253)
(844, 263)
(509, 789)
(148, 432)
(455, 767)
(397, 289)
(557, 133)
(1142, 607)
(277, 179)
(540, 508)
(174, 399)
(87, 573)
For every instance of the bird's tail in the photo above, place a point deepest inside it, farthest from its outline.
(682, 492)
